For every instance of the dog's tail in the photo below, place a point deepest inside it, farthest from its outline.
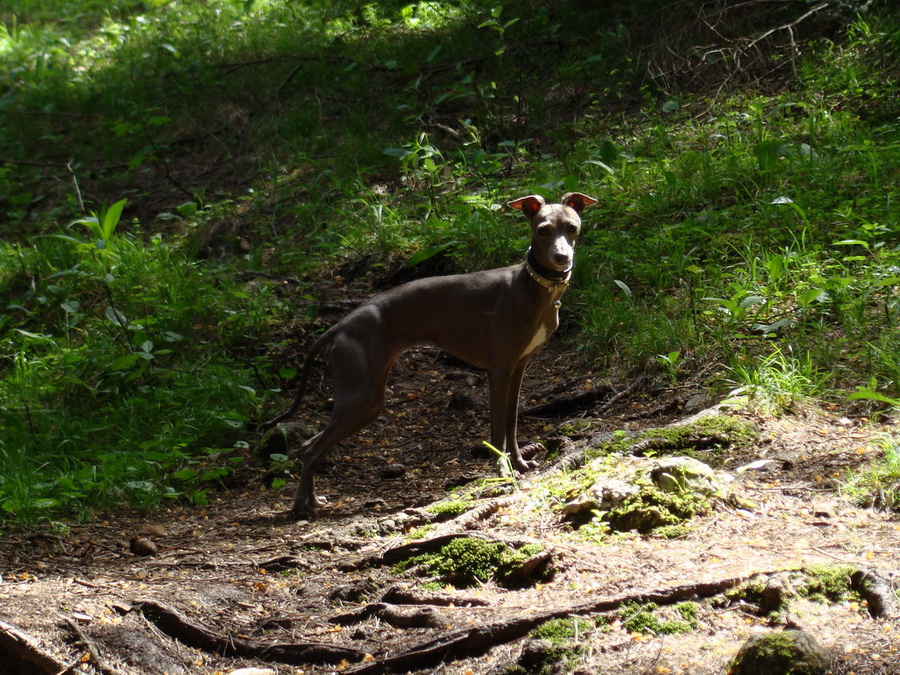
(323, 341)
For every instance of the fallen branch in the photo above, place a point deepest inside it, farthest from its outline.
(21, 647)
(175, 625)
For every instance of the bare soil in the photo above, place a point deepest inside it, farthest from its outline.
(239, 573)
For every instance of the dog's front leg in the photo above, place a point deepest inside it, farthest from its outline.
(505, 382)
(512, 417)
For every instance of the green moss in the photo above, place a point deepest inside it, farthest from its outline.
(449, 508)
(791, 652)
(467, 561)
(827, 584)
(678, 531)
(750, 592)
(421, 532)
(562, 637)
(688, 611)
(705, 439)
(639, 618)
(559, 631)
(652, 508)
(576, 427)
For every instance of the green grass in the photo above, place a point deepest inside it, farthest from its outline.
(744, 236)
(876, 485)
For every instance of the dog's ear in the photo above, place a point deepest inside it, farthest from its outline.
(528, 205)
(577, 201)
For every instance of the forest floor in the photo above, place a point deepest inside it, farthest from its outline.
(238, 584)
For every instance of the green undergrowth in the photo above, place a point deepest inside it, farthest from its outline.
(877, 484)
(119, 375)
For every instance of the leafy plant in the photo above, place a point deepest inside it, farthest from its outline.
(103, 226)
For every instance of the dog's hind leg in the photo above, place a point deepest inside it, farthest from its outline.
(359, 396)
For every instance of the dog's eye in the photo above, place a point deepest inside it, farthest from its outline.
(544, 230)
(572, 229)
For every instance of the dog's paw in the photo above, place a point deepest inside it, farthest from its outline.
(526, 465)
(306, 513)
(529, 451)
(306, 509)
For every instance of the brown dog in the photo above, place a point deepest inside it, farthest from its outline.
(496, 319)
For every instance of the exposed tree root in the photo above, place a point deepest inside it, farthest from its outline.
(878, 592)
(567, 406)
(478, 640)
(175, 625)
(413, 596)
(468, 519)
(23, 651)
(400, 553)
(396, 616)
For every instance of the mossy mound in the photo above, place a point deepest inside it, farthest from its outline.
(646, 494)
(704, 437)
(467, 561)
(651, 508)
(789, 652)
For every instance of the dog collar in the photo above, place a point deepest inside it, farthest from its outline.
(547, 282)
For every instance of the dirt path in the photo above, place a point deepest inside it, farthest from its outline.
(239, 577)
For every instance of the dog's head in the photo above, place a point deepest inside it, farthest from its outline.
(555, 227)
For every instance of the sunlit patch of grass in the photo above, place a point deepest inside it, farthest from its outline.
(876, 485)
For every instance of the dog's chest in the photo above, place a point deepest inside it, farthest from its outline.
(540, 337)
(543, 330)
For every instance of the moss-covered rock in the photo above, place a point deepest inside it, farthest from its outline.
(646, 494)
(651, 508)
(685, 474)
(790, 652)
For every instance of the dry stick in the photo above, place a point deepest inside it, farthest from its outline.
(75, 183)
(96, 659)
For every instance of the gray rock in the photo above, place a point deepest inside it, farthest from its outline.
(685, 474)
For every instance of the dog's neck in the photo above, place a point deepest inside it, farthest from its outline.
(549, 279)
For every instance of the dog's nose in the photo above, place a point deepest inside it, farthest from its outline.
(561, 258)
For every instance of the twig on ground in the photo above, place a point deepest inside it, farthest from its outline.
(98, 661)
